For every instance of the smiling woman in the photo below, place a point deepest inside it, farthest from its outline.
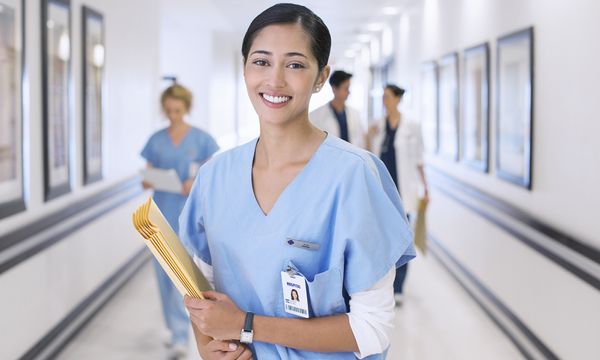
(250, 207)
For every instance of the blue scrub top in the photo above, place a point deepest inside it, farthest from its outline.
(344, 200)
(197, 146)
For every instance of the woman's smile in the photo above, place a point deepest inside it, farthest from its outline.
(275, 101)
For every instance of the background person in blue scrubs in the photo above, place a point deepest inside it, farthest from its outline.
(183, 148)
(295, 208)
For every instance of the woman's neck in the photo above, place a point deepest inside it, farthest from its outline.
(393, 117)
(283, 144)
(178, 125)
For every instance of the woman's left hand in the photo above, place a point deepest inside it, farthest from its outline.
(217, 316)
(187, 187)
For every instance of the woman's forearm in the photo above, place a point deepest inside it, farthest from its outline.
(324, 334)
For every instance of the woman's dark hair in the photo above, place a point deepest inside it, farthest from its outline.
(396, 90)
(290, 14)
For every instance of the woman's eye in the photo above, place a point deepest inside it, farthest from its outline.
(296, 66)
(260, 62)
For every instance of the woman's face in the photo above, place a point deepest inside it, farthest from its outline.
(281, 73)
(390, 100)
(294, 295)
(174, 109)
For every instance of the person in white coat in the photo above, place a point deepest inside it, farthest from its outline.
(335, 117)
(399, 144)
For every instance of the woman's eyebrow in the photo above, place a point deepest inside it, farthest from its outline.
(268, 53)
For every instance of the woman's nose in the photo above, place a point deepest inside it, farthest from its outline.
(276, 77)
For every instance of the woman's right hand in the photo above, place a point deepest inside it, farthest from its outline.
(225, 350)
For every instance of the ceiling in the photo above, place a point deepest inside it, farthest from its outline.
(344, 18)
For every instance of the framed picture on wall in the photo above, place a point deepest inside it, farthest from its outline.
(12, 199)
(56, 93)
(515, 107)
(448, 106)
(476, 109)
(93, 48)
(429, 106)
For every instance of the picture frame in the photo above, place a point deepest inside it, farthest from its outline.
(514, 125)
(12, 78)
(56, 97)
(429, 106)
(93, 85)
(476, 107)
(448, 107)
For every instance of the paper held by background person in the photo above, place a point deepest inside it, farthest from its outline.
(169, 251)
(163, 179)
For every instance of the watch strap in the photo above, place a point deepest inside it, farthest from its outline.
(248, 321)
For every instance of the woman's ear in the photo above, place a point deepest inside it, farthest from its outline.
(321, 78)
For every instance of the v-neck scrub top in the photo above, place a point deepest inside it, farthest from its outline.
(343, 201)
(196, 147)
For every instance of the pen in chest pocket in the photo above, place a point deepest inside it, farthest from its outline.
(302, 244)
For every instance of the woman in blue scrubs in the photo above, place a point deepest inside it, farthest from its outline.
(183, 148)
(293, 209)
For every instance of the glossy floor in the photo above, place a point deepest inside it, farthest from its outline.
(438, 320)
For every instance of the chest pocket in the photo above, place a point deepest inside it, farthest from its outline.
(324, 291)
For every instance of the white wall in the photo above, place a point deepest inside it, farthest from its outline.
(132, 76)
(566, 78)
(201, 49)
(556, 305)
(40, 291)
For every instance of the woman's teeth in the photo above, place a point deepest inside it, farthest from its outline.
(276, 99)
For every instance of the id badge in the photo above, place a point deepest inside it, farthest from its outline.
(295, 300)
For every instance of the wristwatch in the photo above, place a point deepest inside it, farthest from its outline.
(247, 333)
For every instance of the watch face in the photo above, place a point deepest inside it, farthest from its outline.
(246, 337)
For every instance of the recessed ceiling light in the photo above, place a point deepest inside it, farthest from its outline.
(390, 10)
(363, 38)
(375, 27)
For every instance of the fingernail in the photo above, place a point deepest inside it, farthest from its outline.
(232, 346)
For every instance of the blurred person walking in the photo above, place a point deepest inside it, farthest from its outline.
(183, 148)
(399, 144)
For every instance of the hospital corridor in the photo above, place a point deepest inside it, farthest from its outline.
(385, 179)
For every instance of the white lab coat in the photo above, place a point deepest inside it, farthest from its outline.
(325, 119)
(408, 144)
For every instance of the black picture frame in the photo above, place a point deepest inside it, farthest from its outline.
(56, 126)
(93, 94)
(515, 101)
(448, 106)
(475, 129)
(12, 190)
(429, 106)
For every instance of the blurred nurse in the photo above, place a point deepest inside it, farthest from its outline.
(183, 148)
(399, 144)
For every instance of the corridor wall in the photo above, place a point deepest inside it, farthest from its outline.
(532, 255)
(44, 286)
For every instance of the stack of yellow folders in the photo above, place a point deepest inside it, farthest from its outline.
(168, 250)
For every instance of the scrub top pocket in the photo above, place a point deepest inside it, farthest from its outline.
(324, 291)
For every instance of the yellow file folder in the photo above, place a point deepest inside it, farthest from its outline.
(169, 251)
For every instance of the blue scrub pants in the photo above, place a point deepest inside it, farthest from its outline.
(172, 305)
(401, 272)
(400, 277)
